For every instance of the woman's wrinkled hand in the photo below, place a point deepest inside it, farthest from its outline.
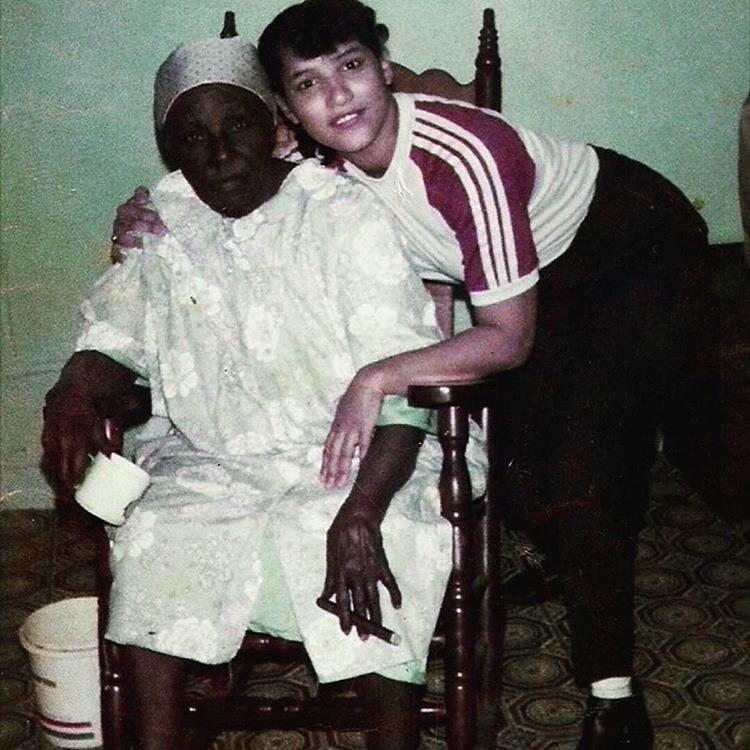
(355, 564)
(134, 219)
(72, 432)
(356, 415)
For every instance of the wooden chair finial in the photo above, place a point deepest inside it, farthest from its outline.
(488, 64)
(230, 29)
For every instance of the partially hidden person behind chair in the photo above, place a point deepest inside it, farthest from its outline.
(587, 275)
(270, 286)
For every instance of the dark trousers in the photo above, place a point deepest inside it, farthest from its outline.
(624, 347)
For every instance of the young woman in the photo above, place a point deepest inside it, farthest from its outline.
(249, 316)
(586, 272)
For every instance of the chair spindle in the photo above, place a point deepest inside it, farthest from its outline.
(488, 81)
(230, 27)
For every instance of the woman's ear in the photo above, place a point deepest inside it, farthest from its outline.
(285, 141)
(165, 146)
(284, 107)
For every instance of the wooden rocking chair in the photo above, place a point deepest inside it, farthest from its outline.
(471, 623)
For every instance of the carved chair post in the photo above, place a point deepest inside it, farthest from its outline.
(458, 612)
(490, 638)
(472, 622)
(111, 674)
(488, 82)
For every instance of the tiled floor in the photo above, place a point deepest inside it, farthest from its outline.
(693, 634)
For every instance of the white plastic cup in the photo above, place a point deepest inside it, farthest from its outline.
(62, 643)
(110, 485)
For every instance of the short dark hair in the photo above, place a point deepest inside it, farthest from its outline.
(316, 27)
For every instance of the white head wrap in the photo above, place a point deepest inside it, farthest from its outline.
(214, 60)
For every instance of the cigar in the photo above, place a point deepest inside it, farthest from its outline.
(363, 624)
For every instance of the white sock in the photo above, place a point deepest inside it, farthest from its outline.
(612, 688)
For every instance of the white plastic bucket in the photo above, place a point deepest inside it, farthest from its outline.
(62, 644)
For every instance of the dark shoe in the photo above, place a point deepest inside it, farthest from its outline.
(533, 585)
(616, 725)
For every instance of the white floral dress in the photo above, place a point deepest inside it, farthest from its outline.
(248, 331)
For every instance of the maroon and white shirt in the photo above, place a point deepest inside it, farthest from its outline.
(481, 201)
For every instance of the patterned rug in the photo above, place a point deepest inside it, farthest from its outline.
(692, 615)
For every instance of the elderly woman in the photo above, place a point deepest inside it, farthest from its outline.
(272, 286)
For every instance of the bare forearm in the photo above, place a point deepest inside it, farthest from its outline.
(355, 557)
(501, 340)
(386, 467)
(471, 354)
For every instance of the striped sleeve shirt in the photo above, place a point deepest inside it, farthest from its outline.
(480, 201)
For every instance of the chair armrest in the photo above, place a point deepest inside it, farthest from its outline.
(454, 404)
(471, 394)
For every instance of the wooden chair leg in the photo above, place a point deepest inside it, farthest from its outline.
(115, 734)
(113, 705)
(220, 682)
(489, 641)
(460, 682)
(491, 610)
(459, 612)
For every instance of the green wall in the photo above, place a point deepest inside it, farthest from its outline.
(661, 80)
